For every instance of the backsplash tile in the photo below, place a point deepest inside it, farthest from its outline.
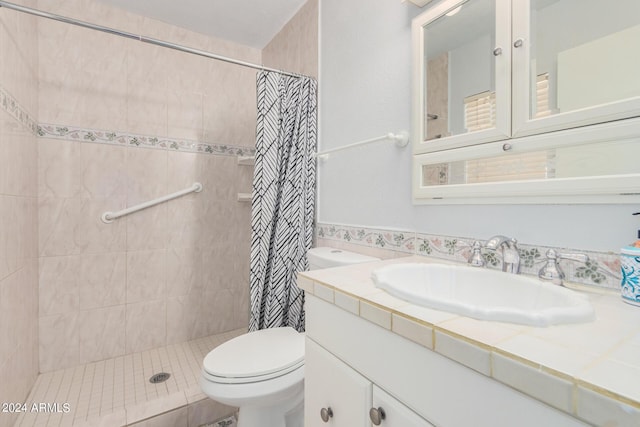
(602, 269)
(392, 240)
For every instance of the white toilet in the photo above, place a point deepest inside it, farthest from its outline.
(262, 372)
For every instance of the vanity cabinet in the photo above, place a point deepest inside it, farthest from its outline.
(542, 95)
(352, 365)
(338, 394)
(333, 391)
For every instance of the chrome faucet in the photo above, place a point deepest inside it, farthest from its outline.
(508, 250)
(552, 271)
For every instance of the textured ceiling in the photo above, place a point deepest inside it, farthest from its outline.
(249, 22)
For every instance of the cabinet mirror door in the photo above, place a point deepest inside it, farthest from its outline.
(578, 63)
(461, 74)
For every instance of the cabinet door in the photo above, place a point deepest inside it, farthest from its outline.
(395, 413)
(329, 383)
(461, 74)
(575, 63)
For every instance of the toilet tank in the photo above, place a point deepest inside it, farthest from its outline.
(324, 257)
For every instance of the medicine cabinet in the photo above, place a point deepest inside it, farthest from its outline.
(518, 101)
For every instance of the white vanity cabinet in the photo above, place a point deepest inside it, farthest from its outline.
(395, 413)
(353, 365)
(336, 395)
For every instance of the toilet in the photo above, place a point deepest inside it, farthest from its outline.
(262, 372)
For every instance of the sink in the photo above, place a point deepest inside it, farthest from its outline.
(484, 294)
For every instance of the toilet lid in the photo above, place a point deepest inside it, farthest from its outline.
(256, 355)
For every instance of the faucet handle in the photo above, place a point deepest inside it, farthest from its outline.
(476, 259)
(574, 257)
(552, 271)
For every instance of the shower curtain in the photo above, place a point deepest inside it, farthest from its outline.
(283, 202)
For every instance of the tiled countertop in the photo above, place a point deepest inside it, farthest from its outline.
(589, 370)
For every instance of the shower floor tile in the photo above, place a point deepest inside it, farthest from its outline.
(117, 392)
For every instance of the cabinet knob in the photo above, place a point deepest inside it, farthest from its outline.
(518, 43)
(497, 51)
(325, 414)
(376, 415)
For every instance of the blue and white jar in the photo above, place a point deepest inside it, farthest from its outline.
(630, 267)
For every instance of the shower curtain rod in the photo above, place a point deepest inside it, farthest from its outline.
(139, 38)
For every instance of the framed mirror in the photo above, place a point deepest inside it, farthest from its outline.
(504, 113)
(463, 77)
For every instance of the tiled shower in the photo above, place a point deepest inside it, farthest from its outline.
(91, 123)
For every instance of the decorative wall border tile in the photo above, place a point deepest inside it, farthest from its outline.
(143, 141)
(602, 269)
(11, 105)
(400, 241)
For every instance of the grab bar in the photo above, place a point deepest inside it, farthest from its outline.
(108, 217)
(401, 139)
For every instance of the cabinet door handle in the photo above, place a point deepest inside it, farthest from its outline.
(497, 51)
(518, 43)
(326, 413)
(376, 415)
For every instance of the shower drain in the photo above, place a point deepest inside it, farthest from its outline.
(159, 378)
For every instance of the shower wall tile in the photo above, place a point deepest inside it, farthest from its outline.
(56, 237)
(95, 236)
(147, 229)
(294, 48)
(146, 325)
(185, 223)
(184, 271)
(121, 123)
(19, 164)
(182, 319)
(147, 75)
(59, 341)
(103, 170)
(183, 171)
(100, 333)
(217, 178)
(215, 314)
(59, 171)
(146, 276)
(102, 280)
(58, 285)
(184, 113)
(146, 175)
(18, 207)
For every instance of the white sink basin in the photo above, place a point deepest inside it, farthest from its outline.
(484, 294)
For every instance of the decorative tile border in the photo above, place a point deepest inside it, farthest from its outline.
(602, 269)
(143, 141)
(400, 241)
(11, 105)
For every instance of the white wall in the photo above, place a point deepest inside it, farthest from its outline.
(365, 79)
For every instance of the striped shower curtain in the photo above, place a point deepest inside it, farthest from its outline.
(282, 207)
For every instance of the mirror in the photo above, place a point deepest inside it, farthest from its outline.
(527, 100)
(459, 72)
(603, 158)
(583, 53)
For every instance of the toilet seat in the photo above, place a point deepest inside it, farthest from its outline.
(255, 356)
